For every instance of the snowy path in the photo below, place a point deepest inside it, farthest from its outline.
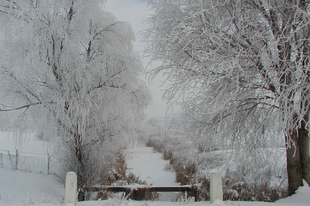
(149, 166)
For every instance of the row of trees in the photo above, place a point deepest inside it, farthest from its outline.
(240, 69)
(72, 63)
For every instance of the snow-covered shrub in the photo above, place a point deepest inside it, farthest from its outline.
(186, 199)
(207, 161)
(155, 144)
(248, 173)
(117, 175)
(185, 171)
(252, 192)
(252, 161)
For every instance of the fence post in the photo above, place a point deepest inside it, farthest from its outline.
(48, 163)
(216, 187)
(16, 159)
(71, 188)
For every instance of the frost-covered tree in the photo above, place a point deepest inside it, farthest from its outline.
(73, 62)
(241, 67)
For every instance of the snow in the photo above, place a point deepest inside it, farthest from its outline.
(23, 188)
(302, 196)
(26, 142)
(33, 153)
(18, 187)
(150, 166)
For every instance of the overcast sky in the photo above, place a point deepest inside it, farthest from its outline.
(136, 12)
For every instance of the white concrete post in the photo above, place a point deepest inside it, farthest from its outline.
(71, 188)
(216, 187)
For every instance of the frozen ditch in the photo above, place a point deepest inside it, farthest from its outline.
(149, 166)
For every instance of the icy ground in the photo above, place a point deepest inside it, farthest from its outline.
(21, 188)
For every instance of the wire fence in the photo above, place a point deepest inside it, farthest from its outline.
(28, 162)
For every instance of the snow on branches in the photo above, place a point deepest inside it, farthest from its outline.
(242, 65)
(75, 63)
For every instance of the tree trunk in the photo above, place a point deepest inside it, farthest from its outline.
(303, 142)
(80, 166)
(294, 169)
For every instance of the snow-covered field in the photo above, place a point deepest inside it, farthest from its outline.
(24, 188)
(34, 155)
(25, 142)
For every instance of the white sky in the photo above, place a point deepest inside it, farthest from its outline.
(136, 12)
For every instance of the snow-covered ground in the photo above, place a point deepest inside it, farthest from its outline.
(23, 188)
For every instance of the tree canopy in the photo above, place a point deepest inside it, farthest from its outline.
(74, 62)
(241, 66)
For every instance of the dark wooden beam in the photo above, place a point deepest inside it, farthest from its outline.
(152, 188)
